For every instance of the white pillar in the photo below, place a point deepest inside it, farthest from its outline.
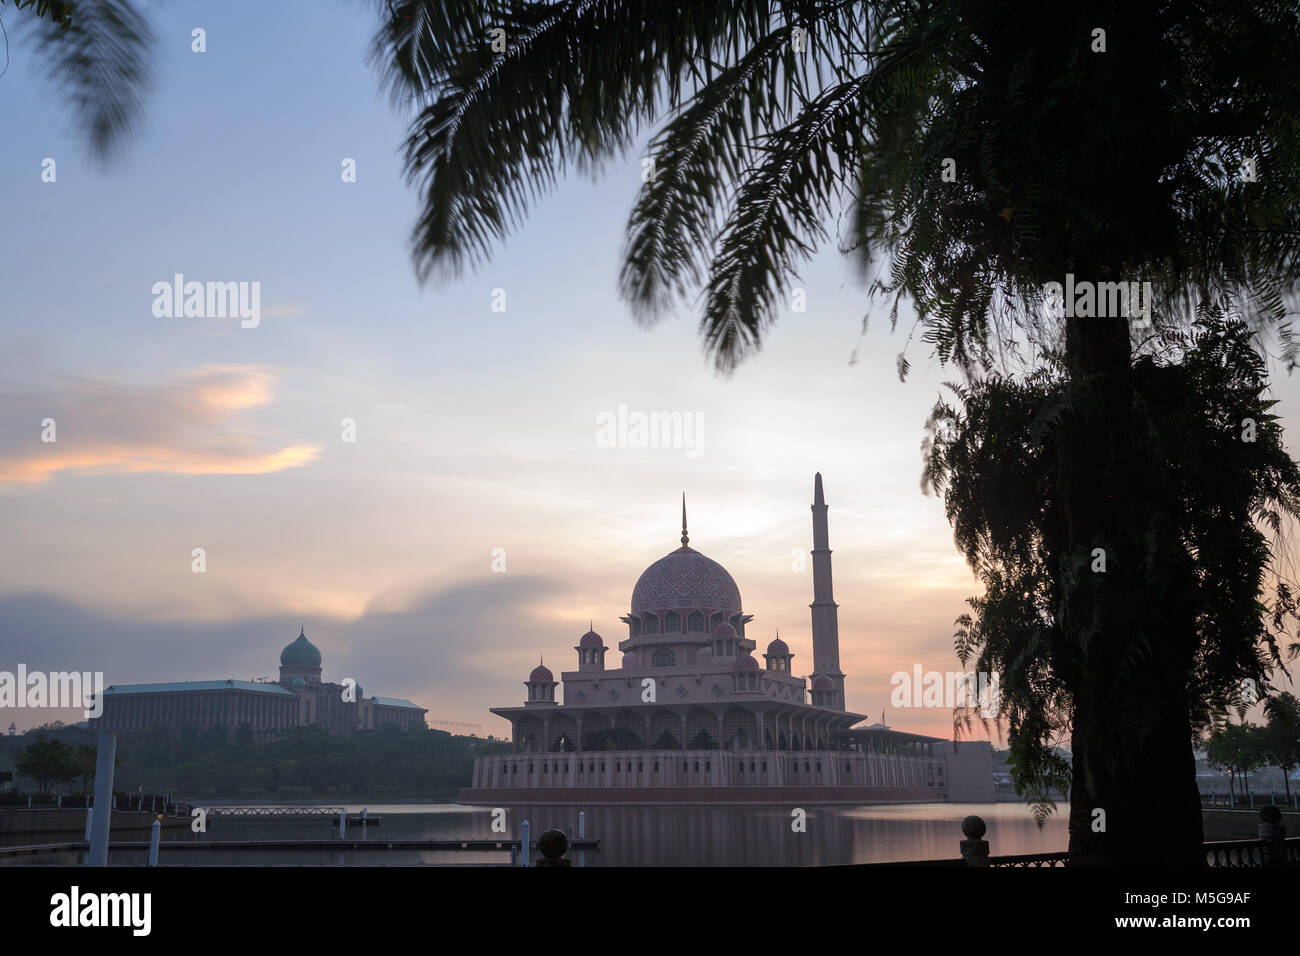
(107, 753)
(153, 842)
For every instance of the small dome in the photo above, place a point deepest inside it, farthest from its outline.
(631, 659)
(724, 630)
(778, 648)
(297, 682)
(301, 653)
(745, 663)
(822, 682)
(541, 675)
(591, 639)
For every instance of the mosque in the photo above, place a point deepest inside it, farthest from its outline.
(691, 716)
(299, 698)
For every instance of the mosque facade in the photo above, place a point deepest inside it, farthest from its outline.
(299, 698)
(692, 715)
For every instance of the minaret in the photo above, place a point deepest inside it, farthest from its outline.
(825, 616)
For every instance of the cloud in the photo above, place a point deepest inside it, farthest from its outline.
(281, 311)
(190, 426)
(457, 649)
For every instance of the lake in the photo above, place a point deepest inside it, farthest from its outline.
(633, 836)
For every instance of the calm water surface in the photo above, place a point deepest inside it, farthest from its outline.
(631, 836)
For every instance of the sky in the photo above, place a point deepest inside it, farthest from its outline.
(478, 521)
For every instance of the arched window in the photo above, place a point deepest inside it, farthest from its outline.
(672, 623)
(651, 624)
(663, 658)
(714, 620)
(695, 622)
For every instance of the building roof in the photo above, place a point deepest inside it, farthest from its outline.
(173, 687)
(879, 728)
(396, 702)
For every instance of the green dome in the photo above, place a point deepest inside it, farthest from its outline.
(301, 653)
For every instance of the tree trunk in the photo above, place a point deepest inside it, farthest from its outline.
(1134, 798)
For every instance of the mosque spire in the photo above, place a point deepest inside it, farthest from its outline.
(685, 539)
(825, 618)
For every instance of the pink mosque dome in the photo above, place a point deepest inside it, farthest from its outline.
(591, 639)
(822, 682)
(685, 580)
(778, 648)
(541, 675)
(745, 663)
(724, 631)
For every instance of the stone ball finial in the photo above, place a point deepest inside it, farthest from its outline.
(973, 827)
(552, 844)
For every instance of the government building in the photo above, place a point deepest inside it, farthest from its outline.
(297, 699)
(690, 714)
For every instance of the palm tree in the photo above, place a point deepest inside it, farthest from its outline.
(96, 53)
(982, 148)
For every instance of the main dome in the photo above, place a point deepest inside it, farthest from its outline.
(300, 653)
(685, 579)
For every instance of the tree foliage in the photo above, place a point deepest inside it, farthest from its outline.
(771, 119)
(1219, 504)
(98, 55)
(48, 762)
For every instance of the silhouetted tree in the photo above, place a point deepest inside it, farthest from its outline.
(48, 762)
(1282, 736)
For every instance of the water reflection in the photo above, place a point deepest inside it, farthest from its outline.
(629, 836)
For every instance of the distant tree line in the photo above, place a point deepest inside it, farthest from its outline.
(1242, 748)
(303, 763)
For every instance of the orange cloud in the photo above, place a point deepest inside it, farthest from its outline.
(186, 428)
